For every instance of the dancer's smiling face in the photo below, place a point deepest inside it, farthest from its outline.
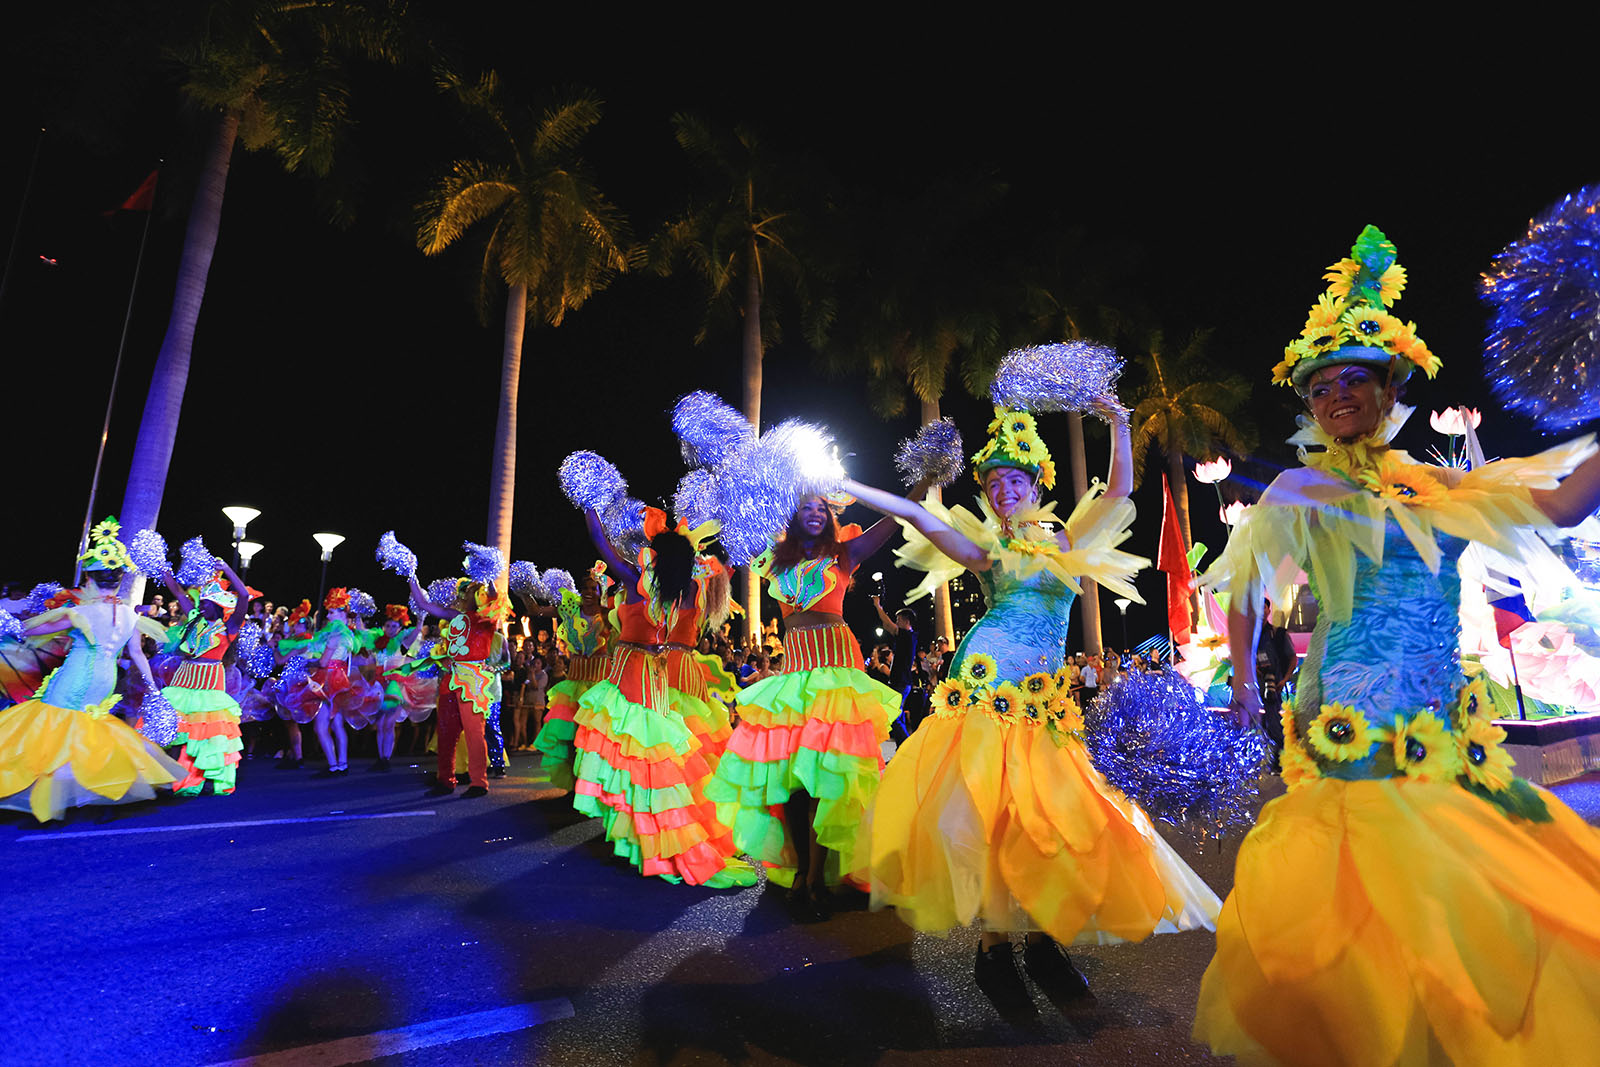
(1348, 400)
(1009, 489)
(813, 516)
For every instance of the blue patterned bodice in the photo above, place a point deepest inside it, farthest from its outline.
(86, 677)
(1025, 626)
(1400, 652)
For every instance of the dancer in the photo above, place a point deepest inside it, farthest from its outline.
(1409, 901)
(645, 737)
(805, 760)
(334, 645)
(63, 748)
(991, 809)
(208, 715)
(583, 626)
(295, 697)
(389, 655)
(470, 652)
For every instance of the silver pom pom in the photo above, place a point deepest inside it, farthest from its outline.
(160, 720)
(556, 582)
(10, 627)
(758, 490)
(361, 604)
(198, 565)
(590, 481)
(709, 430)
(1545, 291)
(624, 521)
(393, 556)
(442, 592)
(1065, 376)
(935, 455)
(39, 598)
(483, 563)
(695, 500)
(524, 579)
(148, 550)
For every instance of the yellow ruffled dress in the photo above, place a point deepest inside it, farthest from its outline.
(992, 810)
(1409, 901)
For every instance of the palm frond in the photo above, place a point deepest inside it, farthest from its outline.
(562, 126)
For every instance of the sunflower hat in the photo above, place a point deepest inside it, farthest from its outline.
(106, 552)
(1351, 323)
(1014, 441)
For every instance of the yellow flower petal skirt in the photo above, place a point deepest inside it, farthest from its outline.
(54, 758)
(982, 819)
(1394, 921)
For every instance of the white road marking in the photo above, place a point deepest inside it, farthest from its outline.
(221, 825)
(405, 1039)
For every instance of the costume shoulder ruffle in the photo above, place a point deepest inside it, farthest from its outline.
(1316, 520)
(1094, 530)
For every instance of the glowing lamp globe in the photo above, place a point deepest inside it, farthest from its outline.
(328, 542)
(241, 517)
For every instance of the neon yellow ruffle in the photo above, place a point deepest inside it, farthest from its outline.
(52, 758)
(1403, 922)
(1004, 823)
(1095, 528)
(1318, 519)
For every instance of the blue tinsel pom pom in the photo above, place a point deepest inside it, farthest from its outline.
(1065, 376)
(935, 455)
(160, 723)
(1153, 738)
(709, 430)
(483, 563)
(10, 627)
(525, 579)
(361, 604)
(591, 481)
(1545, 293)
(555, 582)
(40, 596)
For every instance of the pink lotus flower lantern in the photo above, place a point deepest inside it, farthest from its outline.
(1454, 421)
(1213, 472)
(1233, 512)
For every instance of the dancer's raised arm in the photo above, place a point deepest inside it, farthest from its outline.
(948, 540)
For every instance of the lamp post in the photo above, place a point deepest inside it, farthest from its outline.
(241, 517)
(327, 542)
(1122, 603)
(247, 551)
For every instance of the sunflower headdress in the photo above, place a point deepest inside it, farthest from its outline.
(1351, 323)
(1014, 441)
(106, 552)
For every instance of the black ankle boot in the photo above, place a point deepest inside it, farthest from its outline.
(1000, 981)
(1052, 968)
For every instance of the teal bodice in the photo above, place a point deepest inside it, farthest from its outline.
(86, 677)
(1025, 626)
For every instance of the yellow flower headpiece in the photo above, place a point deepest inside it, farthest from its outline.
(1351, 323)
(1014, 441)
(106, 552)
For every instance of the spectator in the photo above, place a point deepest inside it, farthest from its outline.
(903, 669)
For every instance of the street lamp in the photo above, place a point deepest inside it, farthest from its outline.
(1122, 603)
(241, 517)
(247, 551)
(327, 542)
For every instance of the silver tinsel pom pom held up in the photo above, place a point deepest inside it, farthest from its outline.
(198, 563)
(591, 481)
(148, 550)
(393, 556)
(1544, 289)
(935, 455)
(1064, 376)
(709, 430)
(483, 563)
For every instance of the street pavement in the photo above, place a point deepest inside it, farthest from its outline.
(354, 920)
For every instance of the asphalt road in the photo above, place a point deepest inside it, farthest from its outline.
(356, 920)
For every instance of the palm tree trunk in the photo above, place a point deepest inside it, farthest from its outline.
(943, 623)
(1089, 602)
(158, 428)
(752, 411)
(503, 474)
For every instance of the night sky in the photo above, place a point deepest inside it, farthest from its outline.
(342, 381)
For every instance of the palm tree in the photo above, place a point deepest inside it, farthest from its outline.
(554, 240)
(273, 77)
(1185, 412)
(740, 239)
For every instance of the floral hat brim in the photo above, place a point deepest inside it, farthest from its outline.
(1014, 442)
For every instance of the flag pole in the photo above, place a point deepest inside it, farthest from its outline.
(1516, 683)
(22, 211)
(111, 397)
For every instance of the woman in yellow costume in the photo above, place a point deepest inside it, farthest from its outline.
(992, 810)
(63, 748)
(1409, 901)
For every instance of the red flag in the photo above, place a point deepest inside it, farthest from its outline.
(143, 198)
(1172, 558)
(1510, 609)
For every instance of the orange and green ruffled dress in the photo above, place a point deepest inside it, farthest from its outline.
(991, 810)
(1409, 901)
(208, 717)
(645, 743)
(819, 727)
(588, 663)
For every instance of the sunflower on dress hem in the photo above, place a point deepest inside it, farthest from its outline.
(1006, 703)
(1486, 763)
(979, 669)
(1341, 734)
(950, 697)
(1297, 767)
(1424, 749)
